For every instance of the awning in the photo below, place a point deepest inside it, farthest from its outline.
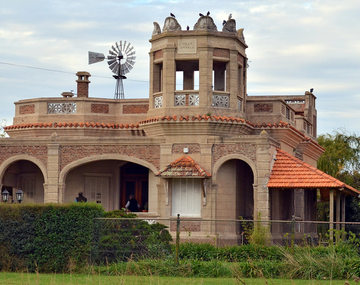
(185, 166)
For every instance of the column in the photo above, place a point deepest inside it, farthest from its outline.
(205, 76)
(331, 215)
(51, 189)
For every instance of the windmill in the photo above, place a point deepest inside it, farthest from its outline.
(121, 60)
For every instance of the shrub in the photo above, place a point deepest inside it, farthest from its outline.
(47, 238)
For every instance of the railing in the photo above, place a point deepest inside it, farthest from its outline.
(122, 239)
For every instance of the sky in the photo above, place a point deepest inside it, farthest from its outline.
(293, 46)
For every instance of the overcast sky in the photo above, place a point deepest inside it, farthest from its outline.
(293, 46)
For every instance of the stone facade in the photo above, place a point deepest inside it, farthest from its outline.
(111, 148)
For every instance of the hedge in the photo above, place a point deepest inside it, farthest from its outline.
(46, 238)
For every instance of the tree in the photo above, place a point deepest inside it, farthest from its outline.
(341, 156)
(341, 160)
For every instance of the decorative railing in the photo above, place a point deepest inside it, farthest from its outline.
(158, 102)
(220, 101)
(186, 100)
(61, 108)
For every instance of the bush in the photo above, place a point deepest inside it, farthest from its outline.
(47, 238)
(123, 238)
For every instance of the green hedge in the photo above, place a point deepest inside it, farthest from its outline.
(46, 238)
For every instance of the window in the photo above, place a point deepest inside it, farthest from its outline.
(186, 197)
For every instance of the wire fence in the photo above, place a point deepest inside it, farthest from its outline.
(124, 239)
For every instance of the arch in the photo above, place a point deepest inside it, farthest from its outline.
(70, 166)
(13, 159)
(224, 159)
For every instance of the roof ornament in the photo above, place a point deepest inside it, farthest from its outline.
(157, 29)
(229, 26)
(171, 24)
(205, 23)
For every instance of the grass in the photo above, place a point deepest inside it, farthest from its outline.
(77, 279)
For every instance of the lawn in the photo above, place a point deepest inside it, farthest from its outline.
(74, 279)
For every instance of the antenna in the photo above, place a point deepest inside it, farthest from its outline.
(122, 51)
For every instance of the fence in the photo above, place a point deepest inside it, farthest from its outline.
(124, 239)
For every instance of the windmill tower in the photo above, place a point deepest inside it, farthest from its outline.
(121, 60)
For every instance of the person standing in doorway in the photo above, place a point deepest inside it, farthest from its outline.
(81, 198)
(132, 205)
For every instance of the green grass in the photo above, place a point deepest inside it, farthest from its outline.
(75, 279)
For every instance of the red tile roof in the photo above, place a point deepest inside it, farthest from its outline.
(290, 172)
(72, 125)
(185, 166)
(196, 118)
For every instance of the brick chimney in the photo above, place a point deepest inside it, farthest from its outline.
(83, 84)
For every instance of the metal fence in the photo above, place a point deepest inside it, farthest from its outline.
(124, 239)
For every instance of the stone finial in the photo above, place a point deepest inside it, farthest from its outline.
(229, 26)
(240, 34)
(54, 136)
(157, 29)
(205, 23)
(171, 24)
(264, 134)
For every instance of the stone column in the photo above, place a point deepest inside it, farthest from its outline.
(205, 76)
(233, 79)
(169, 76)
(51, 189)
(261, 191)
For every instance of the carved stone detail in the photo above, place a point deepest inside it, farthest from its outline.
(157, 29)
(240, 33)
(171, 24)
(230, 26)
(205, 23)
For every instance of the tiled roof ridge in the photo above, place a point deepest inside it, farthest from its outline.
(196, 118)
(70, 125)
(318, 171)
(185, 161)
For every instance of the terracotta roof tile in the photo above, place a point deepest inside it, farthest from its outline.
(185, 166)
(72, 125)
(196, 118)
(290, 172)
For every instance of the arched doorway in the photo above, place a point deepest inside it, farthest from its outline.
(27, 176)
(234, 195)
(109, 182)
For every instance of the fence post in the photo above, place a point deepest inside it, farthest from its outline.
(177, 239)
(292, 234)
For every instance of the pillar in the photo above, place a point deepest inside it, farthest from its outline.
(51, 189)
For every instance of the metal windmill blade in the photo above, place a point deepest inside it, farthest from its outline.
(121, 60)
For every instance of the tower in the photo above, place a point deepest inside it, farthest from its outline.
(197, 72)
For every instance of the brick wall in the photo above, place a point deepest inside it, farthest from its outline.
(221, 52)
(148, 153)
(27, 109)
(158, 54)
(39, 152)
(263, 108)
(135, 109)
(83, 89)
(179, 148)
(246, 149)
(100, 108)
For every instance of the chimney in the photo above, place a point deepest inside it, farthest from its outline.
(83, 84)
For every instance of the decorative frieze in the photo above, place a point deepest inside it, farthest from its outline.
(263, 107)
(61, 108)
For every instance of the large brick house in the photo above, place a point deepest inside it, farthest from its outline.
(202, 150)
